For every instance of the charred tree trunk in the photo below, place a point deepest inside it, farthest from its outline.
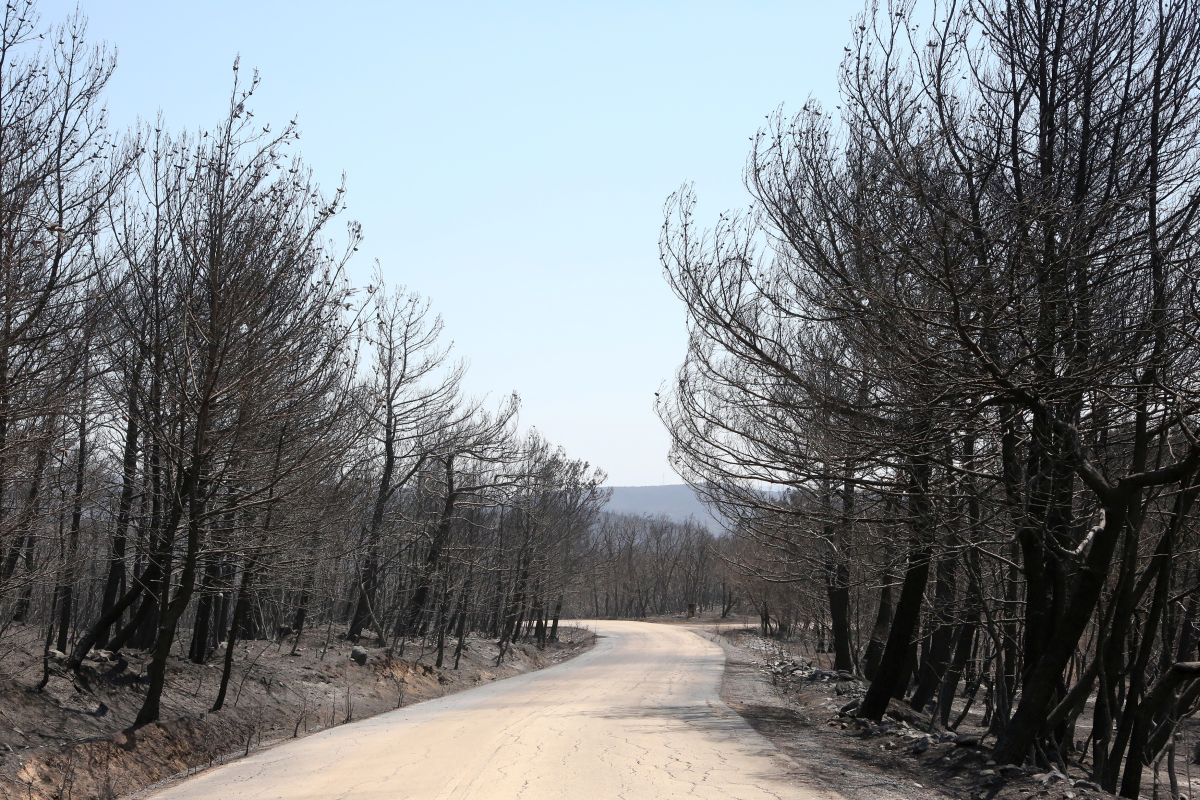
(241, 608)
(936, 658)
(892, 674)
(115, 582)
(433, 556)
(879, 631)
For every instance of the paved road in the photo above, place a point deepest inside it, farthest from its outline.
(636, 717)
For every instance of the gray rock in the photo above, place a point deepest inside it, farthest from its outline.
(358, 655)
(1047, 778)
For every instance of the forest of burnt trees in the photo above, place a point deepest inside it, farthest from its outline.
(946, 363)
(941, 385)
(207, 434)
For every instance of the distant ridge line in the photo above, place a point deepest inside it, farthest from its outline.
(677, 502)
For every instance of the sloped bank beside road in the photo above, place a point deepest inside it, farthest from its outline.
(807, 712)
(70, 741)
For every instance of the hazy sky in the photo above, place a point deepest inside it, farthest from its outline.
(508, 160)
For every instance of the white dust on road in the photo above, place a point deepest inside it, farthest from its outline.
(637, 717)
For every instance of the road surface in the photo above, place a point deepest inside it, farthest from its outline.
(636, 717)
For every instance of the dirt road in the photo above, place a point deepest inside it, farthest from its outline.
(636, 717)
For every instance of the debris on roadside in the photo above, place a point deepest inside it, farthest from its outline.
(951, 763)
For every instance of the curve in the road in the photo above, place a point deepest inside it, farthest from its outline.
(639, 717)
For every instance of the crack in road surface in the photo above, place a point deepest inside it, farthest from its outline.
(637, 717)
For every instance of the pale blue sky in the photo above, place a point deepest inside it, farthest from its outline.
(509, 161)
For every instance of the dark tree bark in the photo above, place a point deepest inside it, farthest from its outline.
(892, 675)
(879, 631)
(115, 581)
(935, 660)
(241, 608)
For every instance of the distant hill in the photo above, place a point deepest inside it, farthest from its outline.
(677, 502)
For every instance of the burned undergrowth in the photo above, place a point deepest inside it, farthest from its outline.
(809, 712)
(74, 739)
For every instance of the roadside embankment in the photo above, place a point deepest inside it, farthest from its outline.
(807, 710)
(72, 740)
